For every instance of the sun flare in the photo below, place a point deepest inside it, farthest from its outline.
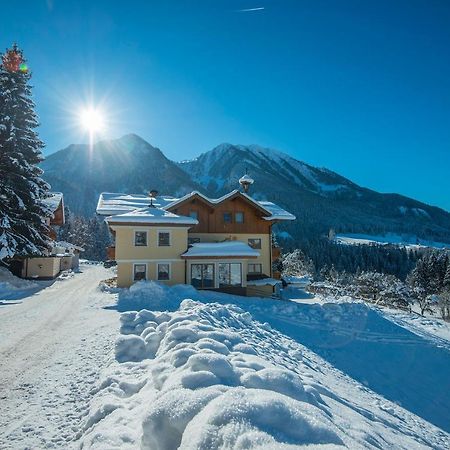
(92, 120)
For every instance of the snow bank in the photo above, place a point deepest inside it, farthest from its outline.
(13, 282)
(9, 282)
(197, 375)
(202, 387)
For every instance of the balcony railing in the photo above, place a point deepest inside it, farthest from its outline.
(111, 252)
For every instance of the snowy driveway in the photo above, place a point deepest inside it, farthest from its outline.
(52, 348)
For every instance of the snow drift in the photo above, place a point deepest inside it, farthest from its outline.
(196, 375)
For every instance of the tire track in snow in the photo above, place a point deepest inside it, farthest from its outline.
(55, 344)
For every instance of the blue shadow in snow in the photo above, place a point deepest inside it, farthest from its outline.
(397, 364)
(401, 366)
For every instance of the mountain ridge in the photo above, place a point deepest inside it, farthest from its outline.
(319, 197)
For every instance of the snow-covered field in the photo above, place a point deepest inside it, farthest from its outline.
(388, 238)
(203, 370)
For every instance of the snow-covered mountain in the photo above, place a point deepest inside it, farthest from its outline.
(321, 199)
(128, 164)
(270, 165)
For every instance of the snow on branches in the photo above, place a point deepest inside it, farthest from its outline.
(23, 229)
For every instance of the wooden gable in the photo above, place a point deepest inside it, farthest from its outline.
(211, 215)
(58, 214)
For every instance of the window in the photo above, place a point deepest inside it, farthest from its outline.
(202, 276)
(254, 243)
(163, 271)
(193, 240)
(239, 217)
(140, 238)
(230, 274)
(227, 217)
(140, 272)
(163, 238)
(193, 214)
(255, 268)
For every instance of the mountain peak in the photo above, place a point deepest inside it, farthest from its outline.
(132, 137)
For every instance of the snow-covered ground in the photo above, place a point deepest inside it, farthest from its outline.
(55, 338)
(216, 371)
(388, 238)
(221, 371)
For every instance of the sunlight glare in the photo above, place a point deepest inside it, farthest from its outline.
(92, 120)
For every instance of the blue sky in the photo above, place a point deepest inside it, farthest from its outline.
(359, 87)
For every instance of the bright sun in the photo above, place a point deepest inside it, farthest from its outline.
(92, 120)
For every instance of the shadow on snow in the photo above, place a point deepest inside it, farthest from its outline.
(399, 365)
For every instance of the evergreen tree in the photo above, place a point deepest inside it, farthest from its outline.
(23, 229)
(90, 234)
(447, 277)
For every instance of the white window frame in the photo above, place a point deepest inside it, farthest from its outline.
(170, 238)
(157, 270)
(146, 239)
(133, 271)
(254, 264)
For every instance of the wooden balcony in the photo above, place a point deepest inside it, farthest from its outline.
(111, 252)
(276, 253)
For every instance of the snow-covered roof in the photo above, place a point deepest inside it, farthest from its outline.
(151, 215)
(68, 245)
(276, 212)
(54, 200)
(231, 249)
(110, 204)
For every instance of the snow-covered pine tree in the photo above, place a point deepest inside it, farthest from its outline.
(23, 230)
(447, 277)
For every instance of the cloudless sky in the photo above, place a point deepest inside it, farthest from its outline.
(359, 87)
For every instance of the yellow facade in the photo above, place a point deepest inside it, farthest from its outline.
(128, 254)
(265, 255)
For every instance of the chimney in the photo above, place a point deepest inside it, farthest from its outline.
(245, 181)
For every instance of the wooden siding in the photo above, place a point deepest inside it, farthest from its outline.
(58, 215)
(211, 219)
(111, 252)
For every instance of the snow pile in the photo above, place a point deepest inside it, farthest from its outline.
(10, 282)
(154, 296)
(201, 386)
(196, 375)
